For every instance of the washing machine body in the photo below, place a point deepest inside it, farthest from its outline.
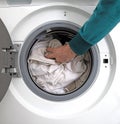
(21, 101)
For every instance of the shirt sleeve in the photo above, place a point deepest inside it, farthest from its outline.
(104, 18)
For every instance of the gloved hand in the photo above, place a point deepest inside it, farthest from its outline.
(60, 54)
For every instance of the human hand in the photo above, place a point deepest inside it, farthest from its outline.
(60, 54)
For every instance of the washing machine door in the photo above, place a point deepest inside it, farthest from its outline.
(5, 59)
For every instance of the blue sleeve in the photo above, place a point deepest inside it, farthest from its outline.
(104, 18)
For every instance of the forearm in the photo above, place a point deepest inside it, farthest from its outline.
(102, 21)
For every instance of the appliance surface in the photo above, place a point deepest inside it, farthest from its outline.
(21, 102)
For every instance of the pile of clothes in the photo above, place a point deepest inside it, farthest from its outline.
(53, 77)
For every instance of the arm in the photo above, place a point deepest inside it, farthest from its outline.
(104, 18)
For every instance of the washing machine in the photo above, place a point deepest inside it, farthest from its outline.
(95, 101)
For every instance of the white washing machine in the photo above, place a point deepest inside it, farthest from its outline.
(22, 23)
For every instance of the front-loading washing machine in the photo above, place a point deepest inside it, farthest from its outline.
(96, 99)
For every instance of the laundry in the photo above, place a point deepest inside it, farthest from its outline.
(49, 75)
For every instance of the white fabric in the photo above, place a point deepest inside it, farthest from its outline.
(49, 75)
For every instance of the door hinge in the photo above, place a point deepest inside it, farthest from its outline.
(12, 71)
(9, 64)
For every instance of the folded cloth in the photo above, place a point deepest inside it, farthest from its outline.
(49, 75)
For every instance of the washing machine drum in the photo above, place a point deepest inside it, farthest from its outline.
(51, 80)
(54, 77)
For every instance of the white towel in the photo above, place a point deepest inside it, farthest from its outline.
(49, 75)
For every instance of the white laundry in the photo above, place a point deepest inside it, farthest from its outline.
(49, 75)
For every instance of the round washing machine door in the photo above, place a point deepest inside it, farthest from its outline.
(5, 59)
(62, 31)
